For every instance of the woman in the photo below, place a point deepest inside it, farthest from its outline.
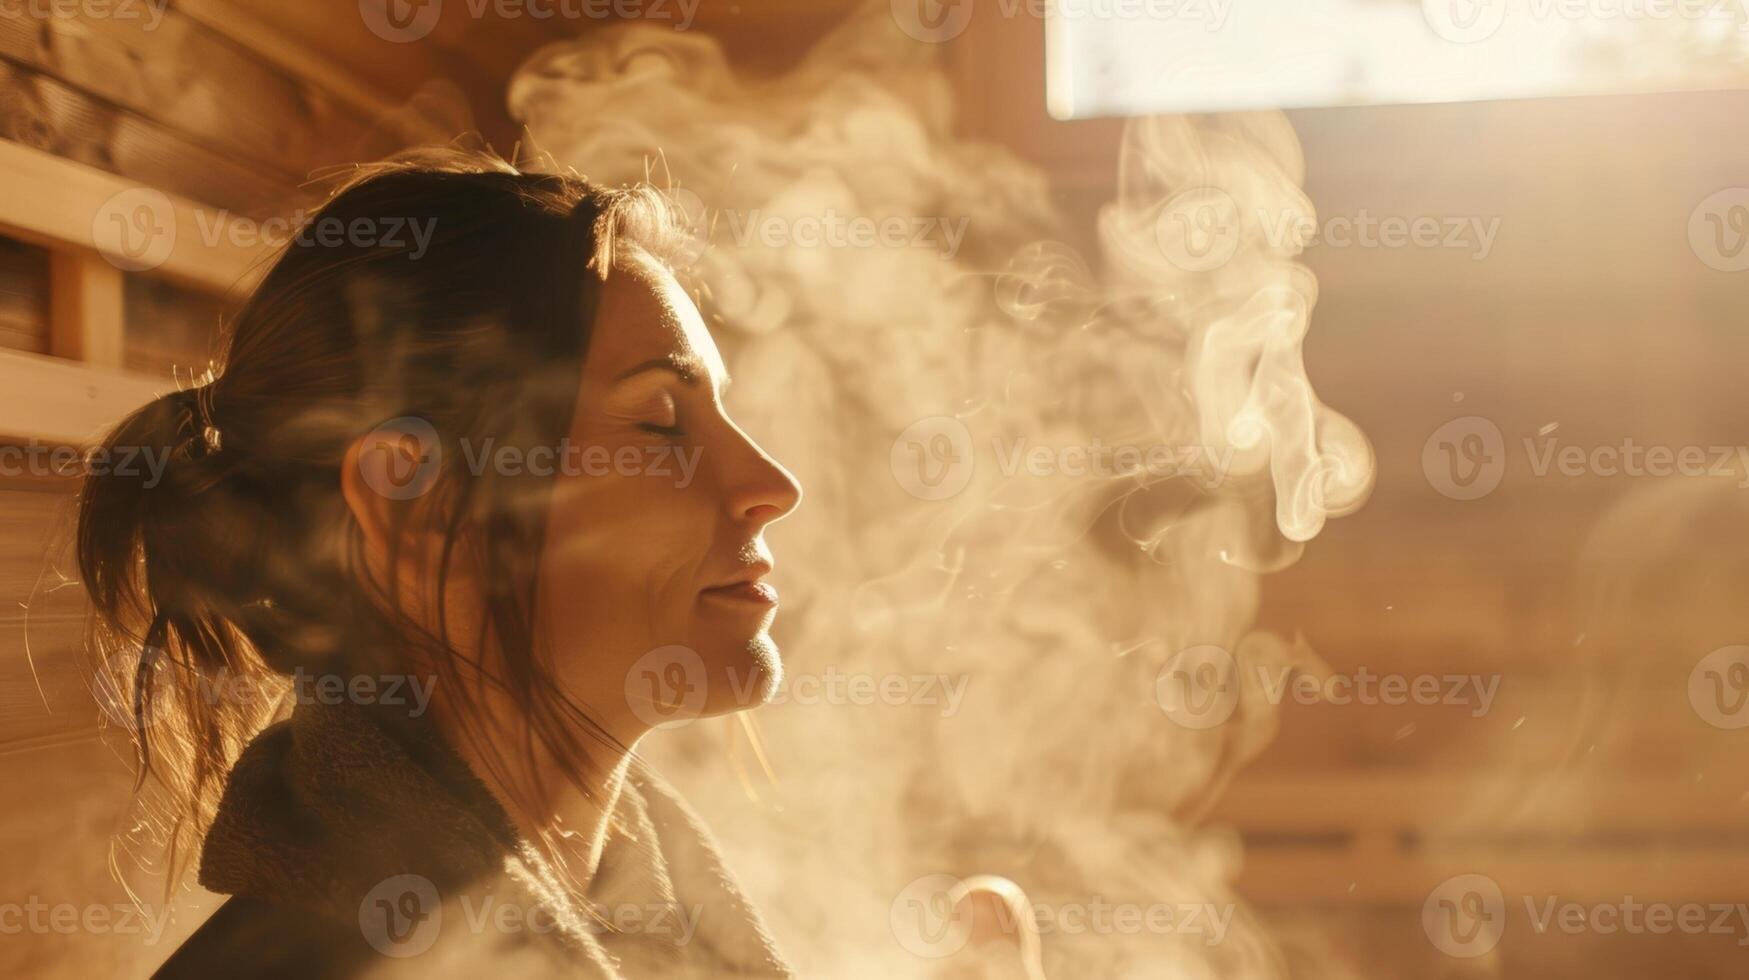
(464, 494)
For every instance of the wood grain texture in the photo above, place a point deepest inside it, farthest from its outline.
(60, 204)
(171, 332)
(85, 322)
(187, 79)
(24, 296)
(73, 917)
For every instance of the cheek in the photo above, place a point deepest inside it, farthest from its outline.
(620, 545)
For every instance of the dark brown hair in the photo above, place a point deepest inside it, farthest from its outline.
(241, 564)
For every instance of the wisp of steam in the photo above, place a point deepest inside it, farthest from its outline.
(982, 595)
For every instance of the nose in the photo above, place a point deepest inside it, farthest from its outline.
(762, 491)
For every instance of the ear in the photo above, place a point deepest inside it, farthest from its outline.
(385, 477)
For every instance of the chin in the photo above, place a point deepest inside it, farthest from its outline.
(749, 676)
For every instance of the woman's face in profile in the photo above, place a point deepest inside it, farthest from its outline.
(653, 582)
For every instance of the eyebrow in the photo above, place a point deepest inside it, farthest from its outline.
(689, 369)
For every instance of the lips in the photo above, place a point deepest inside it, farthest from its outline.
(748, 586)
(761, 593)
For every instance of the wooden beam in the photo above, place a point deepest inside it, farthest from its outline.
(66, 403)
(1274, 878)
(60, 204)
(1309, 803)
(190, 80)
(231, 20)
(85, 308)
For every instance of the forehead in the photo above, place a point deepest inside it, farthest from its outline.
(645, 314)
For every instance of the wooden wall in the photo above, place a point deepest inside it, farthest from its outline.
(228, 116)
(1589, 599)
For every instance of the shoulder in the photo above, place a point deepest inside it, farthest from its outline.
(249, 937)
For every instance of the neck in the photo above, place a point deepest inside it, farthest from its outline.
(568, 817)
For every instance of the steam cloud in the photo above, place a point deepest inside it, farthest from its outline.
(904, 383)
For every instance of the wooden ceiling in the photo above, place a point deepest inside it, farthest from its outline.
(479, 54)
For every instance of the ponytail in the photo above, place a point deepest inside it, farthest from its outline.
(156, 549)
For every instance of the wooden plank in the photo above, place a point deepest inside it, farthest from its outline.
(54, 850)
(399, 71)
(66, 403)
(1302, 879)
(300, 60)
(1332, 799)
(42, 111)
(52, 201)
(86, 309)
(24, 296)
(44, 686)
(184, 77)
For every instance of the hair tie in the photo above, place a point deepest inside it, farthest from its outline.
(203, 420)
(198, 419)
